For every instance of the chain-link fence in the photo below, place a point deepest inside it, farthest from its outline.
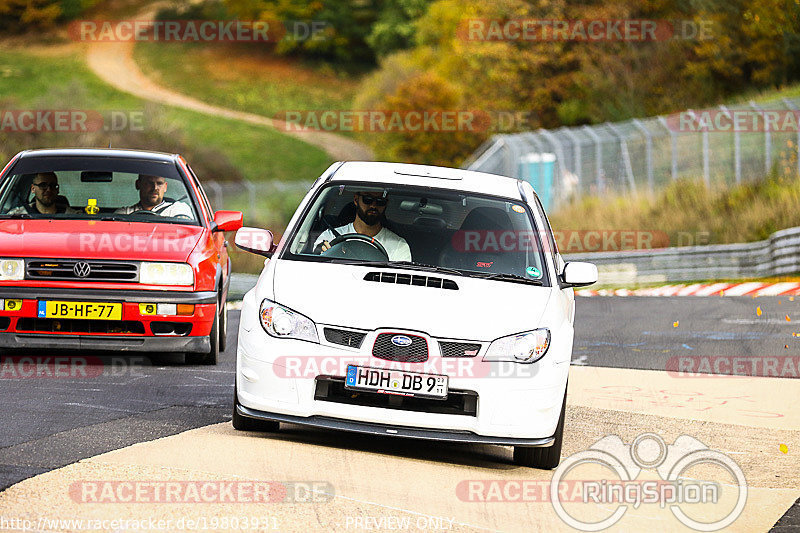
(723, 145)
(265, 202)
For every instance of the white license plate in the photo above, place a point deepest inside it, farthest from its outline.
(398, 382)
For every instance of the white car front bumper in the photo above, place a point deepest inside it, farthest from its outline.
(279, 379)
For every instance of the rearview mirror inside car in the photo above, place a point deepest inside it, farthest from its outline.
(93, 176)
(577, 274)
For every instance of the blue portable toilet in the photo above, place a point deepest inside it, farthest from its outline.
(538, 169)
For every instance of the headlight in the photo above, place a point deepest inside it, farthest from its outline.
(166, 274)
(12, 269)
(279, 321)
(526, 347)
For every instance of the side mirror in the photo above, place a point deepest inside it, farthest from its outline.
(228, 220)
(256, 241)
(579, 274)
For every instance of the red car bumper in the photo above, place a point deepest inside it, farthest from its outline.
(23, 327)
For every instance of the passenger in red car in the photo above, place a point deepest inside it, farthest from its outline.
(45, 197)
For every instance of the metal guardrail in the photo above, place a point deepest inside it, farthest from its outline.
(776, 256)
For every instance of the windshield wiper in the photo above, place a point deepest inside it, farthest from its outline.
(17, 215)
(412, 265)
(505, 277)
(113, 218)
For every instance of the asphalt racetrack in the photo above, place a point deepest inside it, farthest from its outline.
(635, 365)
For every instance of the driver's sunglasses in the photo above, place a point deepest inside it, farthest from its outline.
(369, 200)
(45, 186)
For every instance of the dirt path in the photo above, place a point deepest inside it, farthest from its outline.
(114, 64)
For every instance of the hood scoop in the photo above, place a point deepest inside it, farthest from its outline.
(409, 279)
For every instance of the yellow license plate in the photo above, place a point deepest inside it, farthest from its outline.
(85, 310)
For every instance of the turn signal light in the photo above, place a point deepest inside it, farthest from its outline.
(185, 309)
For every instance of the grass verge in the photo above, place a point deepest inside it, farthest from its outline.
(244, 79)
(253, 152)
(686, 208)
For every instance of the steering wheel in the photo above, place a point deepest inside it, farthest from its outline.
(359, 238)
(145, 212)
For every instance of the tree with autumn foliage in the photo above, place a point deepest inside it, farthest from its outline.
(745, 44)
(23, 15)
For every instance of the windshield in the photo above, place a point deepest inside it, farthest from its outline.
(97, 188)
(456, 232)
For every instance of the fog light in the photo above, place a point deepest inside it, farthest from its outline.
(167, 309)
(185, 309)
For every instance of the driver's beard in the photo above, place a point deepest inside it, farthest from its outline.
(47, 203)
(369, 220)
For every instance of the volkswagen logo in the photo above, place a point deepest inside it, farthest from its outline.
(401, 340)
(81, 269)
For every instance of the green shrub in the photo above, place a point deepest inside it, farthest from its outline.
(689, 213)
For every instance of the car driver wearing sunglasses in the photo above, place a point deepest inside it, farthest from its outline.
(370, 210)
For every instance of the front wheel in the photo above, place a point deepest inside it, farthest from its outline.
(540, 457)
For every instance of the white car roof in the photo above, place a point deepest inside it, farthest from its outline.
(428, 176)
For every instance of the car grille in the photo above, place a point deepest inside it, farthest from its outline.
(459, 349)
(344, 337)
(72, 325)
(73, 270)
(408, 279)
(416, 352)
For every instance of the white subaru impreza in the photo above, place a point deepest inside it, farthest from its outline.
(412, 301)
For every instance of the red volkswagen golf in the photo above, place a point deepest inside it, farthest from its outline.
(111, 250)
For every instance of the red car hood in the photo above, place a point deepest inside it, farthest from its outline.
(95, 239)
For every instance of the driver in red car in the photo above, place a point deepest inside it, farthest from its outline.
(151, 198)
(370, 209)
